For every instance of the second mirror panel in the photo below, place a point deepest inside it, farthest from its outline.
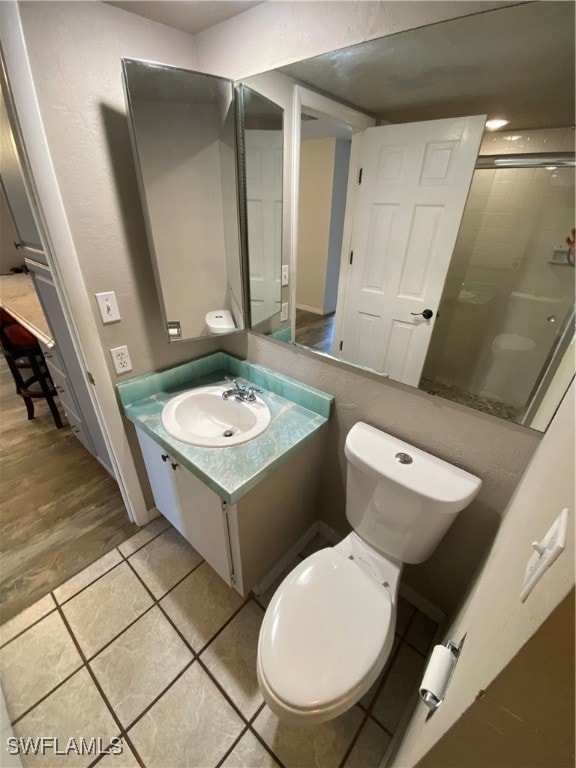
(261, 141)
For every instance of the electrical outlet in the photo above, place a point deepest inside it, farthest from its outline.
(121, 358)
(285, 274)
(284, 312)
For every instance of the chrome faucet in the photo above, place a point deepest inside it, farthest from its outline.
(241, 391)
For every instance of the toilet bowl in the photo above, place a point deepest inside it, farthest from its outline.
(510, 352)
(329, 628)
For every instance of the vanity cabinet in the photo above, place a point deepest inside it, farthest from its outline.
(192, 508)
(250, 542)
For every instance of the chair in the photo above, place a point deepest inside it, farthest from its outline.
(23, 353)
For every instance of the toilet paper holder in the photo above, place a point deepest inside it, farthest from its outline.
(437, 675)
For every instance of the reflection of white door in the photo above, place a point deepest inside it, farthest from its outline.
(407, 212)
(264, 198)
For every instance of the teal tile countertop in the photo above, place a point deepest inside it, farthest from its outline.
(297, 412)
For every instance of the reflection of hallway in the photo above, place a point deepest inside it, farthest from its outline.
(315, 331)
(61, 510)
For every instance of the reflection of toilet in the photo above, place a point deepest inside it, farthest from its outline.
(504, 380)
(519, 350)
(220, 321)
(329, 628)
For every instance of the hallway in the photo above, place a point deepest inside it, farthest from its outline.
(59, 509)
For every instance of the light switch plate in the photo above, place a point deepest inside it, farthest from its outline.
(108, 307)
(546, 552)
(285, 274)
(284, 312)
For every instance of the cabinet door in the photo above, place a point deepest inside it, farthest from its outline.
(206, 527)
(162, 480)
(192, 508)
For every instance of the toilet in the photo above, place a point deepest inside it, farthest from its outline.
(510, 354)
(220, 321)
(329, 628)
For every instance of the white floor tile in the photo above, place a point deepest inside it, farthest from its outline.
(191, 726)
(139, 664)
(35, 662)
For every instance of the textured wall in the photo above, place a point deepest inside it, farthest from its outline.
(75, 51)
(290, 31)
(495, 450)
(494, 620)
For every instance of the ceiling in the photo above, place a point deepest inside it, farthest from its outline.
(190, 16)
(516, 62)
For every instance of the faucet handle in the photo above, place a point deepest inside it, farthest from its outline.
(235, 382)
(252, 391)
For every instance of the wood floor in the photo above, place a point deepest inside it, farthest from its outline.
(59, 508)
(315, 331)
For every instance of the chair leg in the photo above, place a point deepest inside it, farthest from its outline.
(55, 412)
(29, 403)
(47, 391)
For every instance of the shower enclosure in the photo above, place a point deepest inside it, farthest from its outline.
(505, 325)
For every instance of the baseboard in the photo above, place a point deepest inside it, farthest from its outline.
(285, 561)
(423, 605)
(329, 533)
(419, 602)
(314, 310)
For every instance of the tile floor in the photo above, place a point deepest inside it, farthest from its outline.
(149, 645)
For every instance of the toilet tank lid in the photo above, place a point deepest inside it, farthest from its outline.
(376, 452)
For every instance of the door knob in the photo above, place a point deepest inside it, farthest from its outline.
(426, 314)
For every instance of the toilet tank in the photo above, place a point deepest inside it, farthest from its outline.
(399, 499)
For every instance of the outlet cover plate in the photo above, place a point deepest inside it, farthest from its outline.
(121, 359)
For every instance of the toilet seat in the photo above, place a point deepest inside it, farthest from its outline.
(325, 638)
(511, 342)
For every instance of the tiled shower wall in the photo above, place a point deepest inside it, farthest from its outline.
(513, 220)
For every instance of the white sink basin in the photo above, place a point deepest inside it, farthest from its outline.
(202, 417)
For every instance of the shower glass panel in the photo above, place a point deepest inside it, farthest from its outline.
(504, 320)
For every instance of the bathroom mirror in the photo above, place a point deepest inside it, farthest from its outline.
(184, 141)
(261, 150)
(500, 334)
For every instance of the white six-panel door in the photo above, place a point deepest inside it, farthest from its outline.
(264, 203)
(406, 215)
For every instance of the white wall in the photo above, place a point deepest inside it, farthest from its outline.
(314, 215)
(290, 31)
(75, 51)
(495, 622)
